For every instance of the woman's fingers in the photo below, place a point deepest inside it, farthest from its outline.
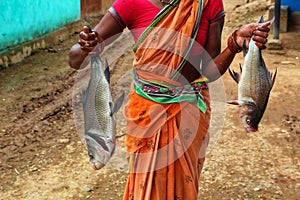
(266, 24)
(261, 35)
(259, 32)
(83, 35)
(87, 46)
(87, 29)
(87, 39)
(87, 36)
(260, 45)
(87, 43)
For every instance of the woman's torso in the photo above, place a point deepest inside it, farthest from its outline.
(139, 14)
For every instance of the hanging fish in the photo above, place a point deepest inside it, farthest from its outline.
(99, 115)
(254, 86)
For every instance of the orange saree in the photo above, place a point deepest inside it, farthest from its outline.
(166, 141)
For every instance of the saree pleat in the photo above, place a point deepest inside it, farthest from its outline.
(165, 162)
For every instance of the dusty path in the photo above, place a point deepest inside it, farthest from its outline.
(42, 156)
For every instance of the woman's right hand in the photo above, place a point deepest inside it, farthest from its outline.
(88, 39)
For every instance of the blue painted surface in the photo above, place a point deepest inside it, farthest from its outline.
(294, 5)
(24, 20)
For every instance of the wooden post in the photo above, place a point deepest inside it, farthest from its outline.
(277, 19)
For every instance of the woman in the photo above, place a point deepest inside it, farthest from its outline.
(168, 112)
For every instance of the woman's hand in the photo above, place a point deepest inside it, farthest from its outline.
(260, 33)
(88, 39)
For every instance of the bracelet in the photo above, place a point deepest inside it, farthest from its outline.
(233, 46)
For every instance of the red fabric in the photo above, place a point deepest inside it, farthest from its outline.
(138, 14)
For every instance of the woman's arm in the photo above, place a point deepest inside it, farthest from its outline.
(215, 68)
(213, 41)
(108, 29)
(221, 61)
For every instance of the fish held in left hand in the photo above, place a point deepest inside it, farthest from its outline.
(99, 115)
(254, 87)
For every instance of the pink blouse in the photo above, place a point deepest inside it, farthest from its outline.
(138, 14)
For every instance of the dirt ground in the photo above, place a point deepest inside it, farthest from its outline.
(42, 156)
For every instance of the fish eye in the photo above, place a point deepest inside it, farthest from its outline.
(248, 121)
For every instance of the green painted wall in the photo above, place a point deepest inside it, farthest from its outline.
(24, 20)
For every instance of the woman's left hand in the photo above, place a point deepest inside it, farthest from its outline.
(258, 31)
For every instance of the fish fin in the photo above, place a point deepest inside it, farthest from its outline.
(106, 71)
(233, 102)
(83, 103)
(83, 98)
(117, 104)
(110, 105)
(121, 135)
(236, 76)
(245, 51)
(261, 20)
(273, 76)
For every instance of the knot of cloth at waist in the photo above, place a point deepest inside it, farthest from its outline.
(165, 93)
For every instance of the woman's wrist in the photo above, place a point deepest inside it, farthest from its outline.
(232, 44)
(100, 41)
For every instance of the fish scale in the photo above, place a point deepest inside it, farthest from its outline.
(103, 106)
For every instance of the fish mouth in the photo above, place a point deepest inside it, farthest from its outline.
(251, 129)
(96, 165)
(97, 159)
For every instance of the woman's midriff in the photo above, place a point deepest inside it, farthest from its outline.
(191, 70)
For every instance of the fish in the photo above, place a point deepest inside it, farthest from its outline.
(99, 114)
(254, 86)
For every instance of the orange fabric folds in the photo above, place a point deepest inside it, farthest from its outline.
(161, 49)
(165, 142)
(166, 146)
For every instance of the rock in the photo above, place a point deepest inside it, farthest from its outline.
(86, 188)
(288, 63)
(64, 141)
(274, 44)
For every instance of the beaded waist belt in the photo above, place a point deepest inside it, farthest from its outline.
(164, 94)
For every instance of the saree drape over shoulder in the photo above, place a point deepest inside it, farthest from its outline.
(167, 120)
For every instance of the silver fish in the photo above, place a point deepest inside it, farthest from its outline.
(99, 118)
(254, 87)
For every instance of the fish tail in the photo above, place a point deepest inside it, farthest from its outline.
(272, 20)
(261, 20)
